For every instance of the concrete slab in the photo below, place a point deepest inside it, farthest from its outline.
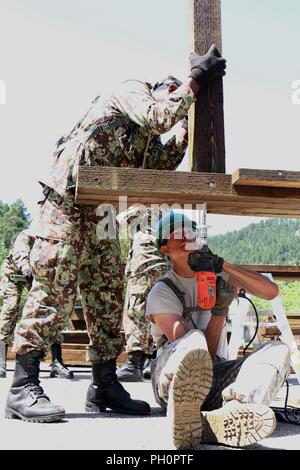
(108, 431)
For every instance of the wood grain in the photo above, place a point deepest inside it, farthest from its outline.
(272, 178)
(206, 116)
(96, 185)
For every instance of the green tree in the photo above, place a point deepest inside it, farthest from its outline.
(13, 219)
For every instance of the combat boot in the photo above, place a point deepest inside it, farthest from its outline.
(237, 424)
(106, 391)
(132, 369)
(58, 369)
(26, 399)
(3, 354)
(148, 368)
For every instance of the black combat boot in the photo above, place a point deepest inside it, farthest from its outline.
(3, 354)
(106, 391)
(58, 369)
(132, 369)
(26, 399)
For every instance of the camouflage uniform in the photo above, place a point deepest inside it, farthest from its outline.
(10, 288)
(144, 267)
(114, 132)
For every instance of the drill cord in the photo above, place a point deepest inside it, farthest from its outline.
(289, 414)
(242, 294)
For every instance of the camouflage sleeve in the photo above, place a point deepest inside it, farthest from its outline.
(21, 251)
(165, 156)
(157, 117)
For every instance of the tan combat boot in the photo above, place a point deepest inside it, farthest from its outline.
(234, 424)
(237, 424)
(189, 387)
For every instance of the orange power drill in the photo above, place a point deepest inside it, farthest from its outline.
(201, 262)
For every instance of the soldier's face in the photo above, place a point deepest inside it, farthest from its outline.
(176, 246)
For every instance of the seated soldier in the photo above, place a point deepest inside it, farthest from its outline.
(192, 371)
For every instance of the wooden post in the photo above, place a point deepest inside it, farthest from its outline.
(206, 116)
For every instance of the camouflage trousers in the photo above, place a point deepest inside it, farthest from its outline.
(11, 293)
(136, 325)
(58, 267)
(256, 378)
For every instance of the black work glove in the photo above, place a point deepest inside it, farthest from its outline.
(207, 67)
(28, 276)
(185, 123)
(225, 295)
(218, 262)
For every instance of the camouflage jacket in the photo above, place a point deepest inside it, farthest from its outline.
(18, 258)
(117, 130)
(143, 257)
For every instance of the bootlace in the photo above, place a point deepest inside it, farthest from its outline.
(36, 391)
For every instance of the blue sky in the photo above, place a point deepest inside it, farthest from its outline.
(57, 55)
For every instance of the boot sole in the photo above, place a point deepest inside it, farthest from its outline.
(130, 380)
(238, 427)
(190, 385)
(56, 376)
(92, 408)
(12, 414)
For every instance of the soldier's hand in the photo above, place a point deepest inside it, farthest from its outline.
(28, 276)
(225, 295)
(207, 67)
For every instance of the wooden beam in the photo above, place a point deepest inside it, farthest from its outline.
(206, 116)
(282, 273)
(96, 185)
(273, 178)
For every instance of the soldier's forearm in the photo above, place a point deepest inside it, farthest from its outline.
(251, 281)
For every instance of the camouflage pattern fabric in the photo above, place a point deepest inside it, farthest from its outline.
(11, 294)
(136, 326)
(11, 289)
(116, 131)
(57, 266)
(144, 267)
(139, 117)
(18, 257)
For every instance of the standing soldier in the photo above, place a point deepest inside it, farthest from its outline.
(120, 130)
(16, 274)
(144, 267)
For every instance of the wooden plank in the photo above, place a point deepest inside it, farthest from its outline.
(278, 272)
(206, 116)
(272, 178)
(96, 185)
(76, 337)
(77, 313)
